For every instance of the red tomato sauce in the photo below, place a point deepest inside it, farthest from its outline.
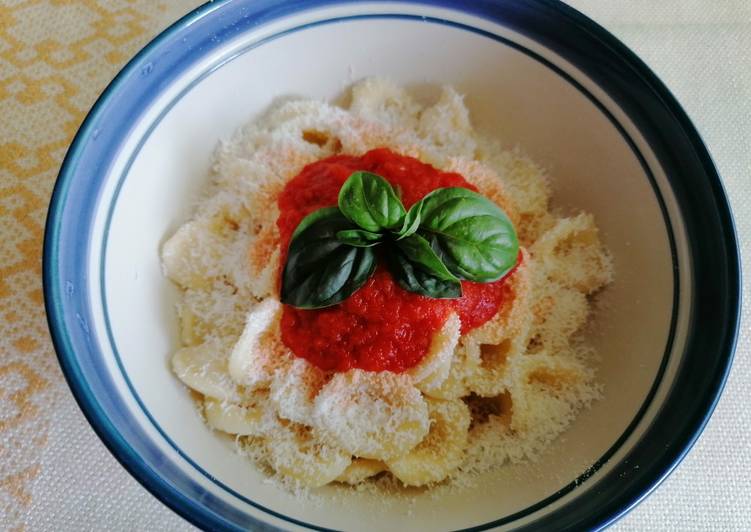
(381, 327)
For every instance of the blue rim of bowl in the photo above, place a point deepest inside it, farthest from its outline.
(711, 254)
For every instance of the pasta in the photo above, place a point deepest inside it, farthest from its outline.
(247, 419)
(502, 391)
(296, 451)
(441, 451)
(372, 415)
(361, 469)
(433, 370)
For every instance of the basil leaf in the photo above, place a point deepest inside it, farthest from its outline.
(418, 251)
(358, 238)
(411, 221)
(320, 214)
(416, 268)
(322, 271)
(472, 235)
(368, 200)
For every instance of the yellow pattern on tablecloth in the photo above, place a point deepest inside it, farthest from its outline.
(56, 56)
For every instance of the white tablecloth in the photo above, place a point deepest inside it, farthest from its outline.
(56, 475)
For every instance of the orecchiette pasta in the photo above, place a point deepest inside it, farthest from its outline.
(204, 369)
(293, 389)
(571, 254)
(295, 451)
(361, 469)
(372, 415)
(442, 450)
(434, 368)
(501, 391)
(259, 353)
(247, 419)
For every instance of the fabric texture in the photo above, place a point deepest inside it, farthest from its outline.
(56, 56)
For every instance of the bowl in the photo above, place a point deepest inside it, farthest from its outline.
(535, 73)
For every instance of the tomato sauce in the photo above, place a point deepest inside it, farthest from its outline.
(381, 327)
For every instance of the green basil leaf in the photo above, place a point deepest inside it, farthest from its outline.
(472, 235)
(411, 221)
(320, 214)
(399, 193)
(322, 271)
(417, 268)
(418, 251)
(369, 201)
(358, 237)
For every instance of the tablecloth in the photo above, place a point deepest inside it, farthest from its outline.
(55, 58)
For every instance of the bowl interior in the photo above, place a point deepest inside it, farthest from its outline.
(517, 91)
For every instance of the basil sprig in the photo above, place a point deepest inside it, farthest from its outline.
(452, 234)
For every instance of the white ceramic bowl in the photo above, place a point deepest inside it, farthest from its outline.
(535, 73)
